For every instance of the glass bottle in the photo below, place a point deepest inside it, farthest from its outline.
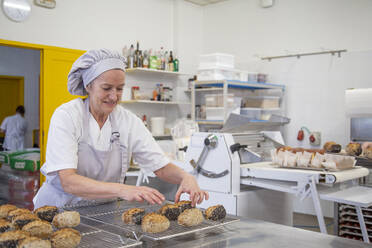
(170, 62)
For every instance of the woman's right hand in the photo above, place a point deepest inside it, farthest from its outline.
(366, 145)
(140, 194)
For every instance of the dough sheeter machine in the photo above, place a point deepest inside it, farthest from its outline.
(235, 169)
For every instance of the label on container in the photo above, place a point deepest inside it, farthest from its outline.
(19, 165)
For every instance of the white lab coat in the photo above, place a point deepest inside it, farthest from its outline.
(15, 129)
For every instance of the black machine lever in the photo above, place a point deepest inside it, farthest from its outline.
(183, 149)
(236, 147)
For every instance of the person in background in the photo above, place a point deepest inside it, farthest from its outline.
(91, 141)
(14, 128)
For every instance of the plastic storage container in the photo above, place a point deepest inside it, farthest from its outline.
(216, 113)
(261, 102)
(253, 113)
(216, 60)
(218, 74)
(216, 100)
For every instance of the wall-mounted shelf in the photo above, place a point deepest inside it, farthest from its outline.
(239, 84)
(153, 71)
(205, 89)
(210, 122)
(152, 102)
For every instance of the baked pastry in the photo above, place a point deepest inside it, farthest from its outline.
(217, 212)
(34, 242)
(332, 146)
(23, 219)
(5, 225)
(17, 212)
(5, 209)
(46, 213)
(354, 149)
(183, 205)
(170, 211)
(39, 228)
(65, 238)
(154, 223)
(190, 217)
(12, 238)
(133, 216)
(66, 219)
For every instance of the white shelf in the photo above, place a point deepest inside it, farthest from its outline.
(239, 84)
(210, 122)
(264, 109)
(205, 89)
(152, 71)
(152, 102)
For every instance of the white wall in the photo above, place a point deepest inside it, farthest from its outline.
(25, 63)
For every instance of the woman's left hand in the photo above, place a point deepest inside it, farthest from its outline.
(190, 186)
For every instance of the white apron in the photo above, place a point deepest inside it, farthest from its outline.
(106, 166)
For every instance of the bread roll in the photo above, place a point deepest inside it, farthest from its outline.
(190, 217)
(46, 213)
(217, 212)
(368, 152)
(354, 149)
(39, 228)
(23, 219)
(5, 226)
(17, 212)
(65, 238)
(133, 216)
(170, 211)
(5, 209)
(66, 219)
(154, 223)
(183, 205)
(34, 242)
(12, 238)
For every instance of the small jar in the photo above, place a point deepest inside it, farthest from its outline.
(135, 93)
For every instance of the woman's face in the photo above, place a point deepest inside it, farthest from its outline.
(105, 91)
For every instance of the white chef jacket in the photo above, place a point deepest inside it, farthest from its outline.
(15, 129)
(65, 132)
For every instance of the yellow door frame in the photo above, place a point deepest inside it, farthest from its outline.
(42, 49)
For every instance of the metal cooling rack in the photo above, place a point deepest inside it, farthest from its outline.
(110, 214)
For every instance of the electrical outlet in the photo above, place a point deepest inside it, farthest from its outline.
(315, 138)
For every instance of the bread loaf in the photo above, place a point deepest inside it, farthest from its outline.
(154, 223)
(133, 216)
(39, 228)
(46, 213)
(5, 226)
(332, 146)
(368, 152)
(217, 212)
(5, 209)
(65, 238)
(23, 219)
(66, 219)
(190, 217)
(183, 205)
(170, 211)
(34, 242)
(17, 212)
(354, 149)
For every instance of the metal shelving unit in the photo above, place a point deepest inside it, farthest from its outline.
(152, 102)
(224, 86)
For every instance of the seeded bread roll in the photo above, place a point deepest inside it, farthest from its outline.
(5, 209)
(332, 146)
(17, 212)
(39, 228)
(183, 205)
(170, 211)
(66, 219)
(217, 212)
(34, 242)
(65, 238)
(354, 149)
(5, 226)
(46, 213)
(154, 223)
(190, 217)
(23, 219)
(12, 238)
(133, 216)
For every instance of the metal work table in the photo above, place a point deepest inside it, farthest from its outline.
(251, 233)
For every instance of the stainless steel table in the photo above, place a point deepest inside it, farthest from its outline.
(253, 233)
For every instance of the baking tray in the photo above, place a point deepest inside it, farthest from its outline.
(93, 237)
(110, 214)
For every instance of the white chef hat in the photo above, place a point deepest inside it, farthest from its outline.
(89, 66)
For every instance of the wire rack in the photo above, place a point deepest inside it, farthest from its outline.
(110, 214)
